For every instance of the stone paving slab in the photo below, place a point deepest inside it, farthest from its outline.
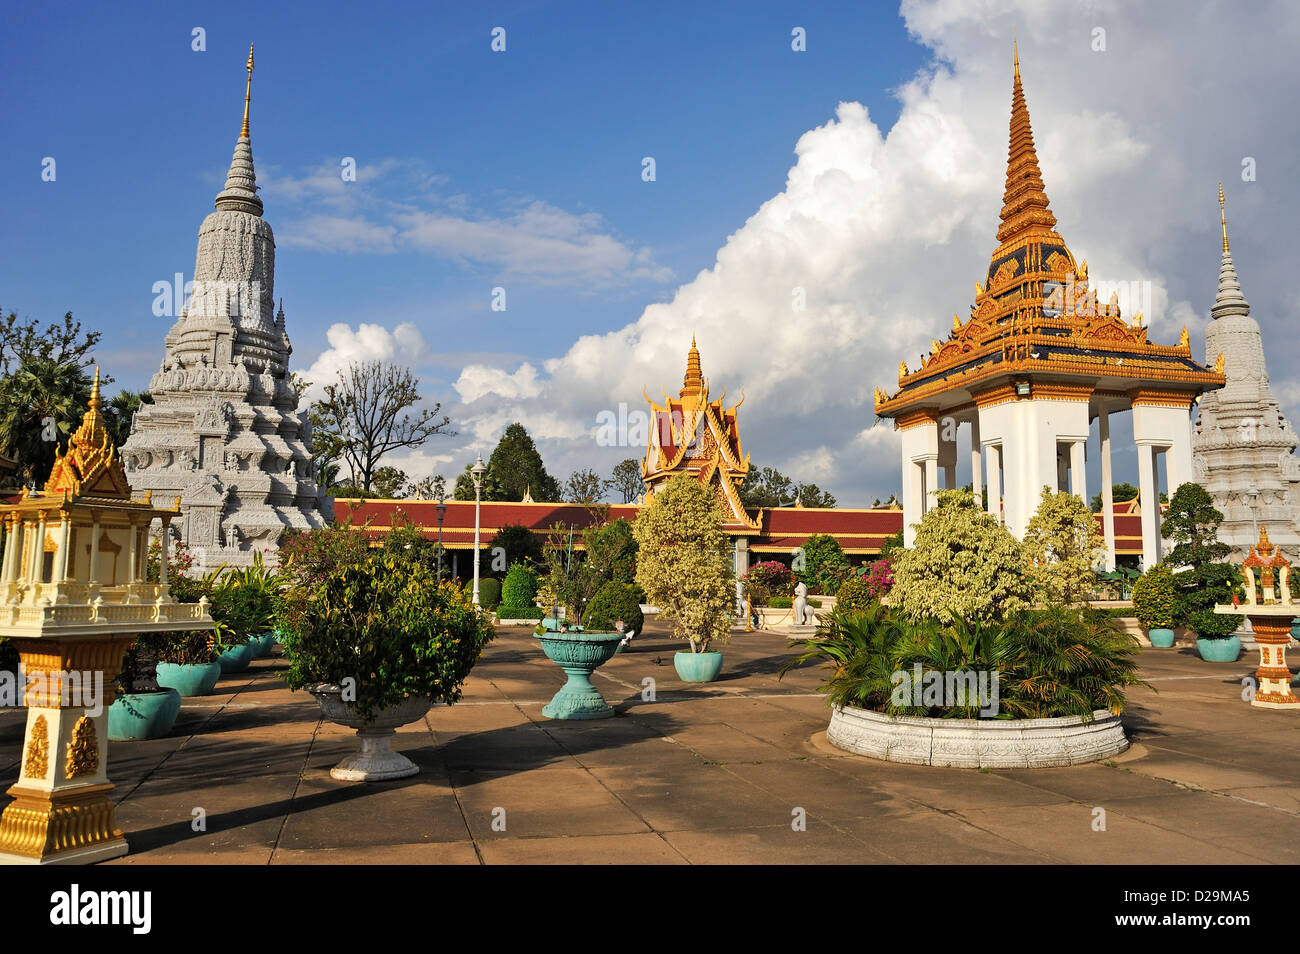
(701, 774)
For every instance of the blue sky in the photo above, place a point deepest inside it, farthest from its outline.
(867, 170)
(141, 128)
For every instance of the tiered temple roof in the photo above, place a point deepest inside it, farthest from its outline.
(1036, 319)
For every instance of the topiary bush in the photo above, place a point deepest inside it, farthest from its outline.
(1155, 599)
(489, 591)
(520, 587)
(613, 602)
(854, 595)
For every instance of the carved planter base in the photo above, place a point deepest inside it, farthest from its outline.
(977, 743)
(376, 762)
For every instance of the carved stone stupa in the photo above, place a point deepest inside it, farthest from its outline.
(1243, 445)
(224, 432)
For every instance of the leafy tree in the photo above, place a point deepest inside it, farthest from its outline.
(684, 563)
(962, 563)
(41, 404)
(584, 486)
(810, 495)
(821, 564)
(518, 468)
(464, 489)
(1192, 525)
(893, 543)
(1118, 494)
(59, 344)
(433, 487)
(363, 416)
(388, 482)
(892, 501)
(768, 487)
(626, 480)
(1062, 544)
(612, 550)
(119, 411)
(518, 544)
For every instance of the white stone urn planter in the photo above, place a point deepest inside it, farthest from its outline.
(977, 743)
(376, 762)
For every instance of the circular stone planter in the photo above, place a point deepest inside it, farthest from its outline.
(697, 667)
(1219, 650)
(977, 743)
(376, 762)
(136, 716)
(237, 658)
(189, 679)
(1161, 638)
(579, 655)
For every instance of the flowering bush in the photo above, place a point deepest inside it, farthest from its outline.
(766, 580)
(879, 577)
(180, 560)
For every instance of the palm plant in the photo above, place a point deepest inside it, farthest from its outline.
(861, 650)
(40, 404)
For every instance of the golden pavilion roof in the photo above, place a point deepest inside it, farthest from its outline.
(695, 434)
(89, 466)
(1036, 313)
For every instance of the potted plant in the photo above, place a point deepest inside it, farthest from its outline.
(1192, 524)
(614, 609)
(244, 604)
(684, 566)
(375, 638)
(186, 661)
(139, 711)
(1155, 603)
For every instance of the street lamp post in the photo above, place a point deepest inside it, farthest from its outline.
(442, 512)
(478, 470)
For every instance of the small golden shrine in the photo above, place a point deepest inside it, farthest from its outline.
(693, 434)
(1266, 574)
(73, 597)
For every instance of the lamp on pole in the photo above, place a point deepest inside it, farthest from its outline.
(442, 512)
(478, 470)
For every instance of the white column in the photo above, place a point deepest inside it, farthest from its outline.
(162, 552)
(976, 459)
(1150, 503)
(94, 552)
(131, 555)
(1107, 480)
(60, 570)
(11, 548)
(995, 480)
(1079, 471)
(931, 483)
(35, 573)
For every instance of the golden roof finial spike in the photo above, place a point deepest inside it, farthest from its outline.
(1015, 51)
(248, 93)
(1223, 218)
(95, 402)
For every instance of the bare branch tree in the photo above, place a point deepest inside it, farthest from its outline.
(365, 412)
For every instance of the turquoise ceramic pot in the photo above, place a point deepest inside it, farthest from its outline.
(262, 645)
(1295, 629)
(187, 679)
(1219, 650)
(698, 667)
(136, 716)
(579, 654)
(1163, 638)
(236, 659)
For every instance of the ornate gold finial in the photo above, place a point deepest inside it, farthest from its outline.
(956, 323)
(1184, 340)
(1219, 363)
(89, 464)
(177, 507)
(1223, 218)
(693, 382)
(1015, 51)
(248, 93)
(1263, 547)
(95, 402)
(1081, 273)
(902, 370)
(979, 289)
(935, 346)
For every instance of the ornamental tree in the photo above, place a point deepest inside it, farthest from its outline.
(1062, 545)
(684, 564)
(963, 563)
(820, 564)
(1192, 524)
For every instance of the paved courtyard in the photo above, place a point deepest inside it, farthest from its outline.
(702, 774)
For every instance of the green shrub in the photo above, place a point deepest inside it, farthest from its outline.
(1060, 661)
(489, 591)
(1192, 525)
(613, 602)
(383, 620)
(824, 564)
(854, 595)
(519, 588)
(1155, 599)
(785, 602)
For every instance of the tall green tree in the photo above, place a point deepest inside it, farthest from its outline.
(1118, 493)
(585, 487)
(389, 482)
(1063, 544)
(41, 404)
(767, 487)
(626, 480)
(515, 468)
(58, 342)
(119, 411)
(1200, 577)
(515, 543)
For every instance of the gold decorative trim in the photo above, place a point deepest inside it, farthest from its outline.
(914, 419)
(1144, 398)
(38, 825)
(37, 763)
(83, 750)
(1061, 392)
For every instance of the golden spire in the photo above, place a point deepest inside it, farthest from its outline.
(1223, 218)
(693, 382)
(248, 93)
(90, 464)
(95, 402)
(1024, 203)
(1015, 51)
